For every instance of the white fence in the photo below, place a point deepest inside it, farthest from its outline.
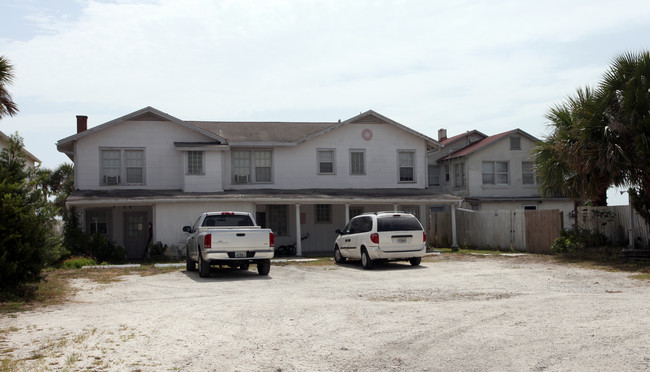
(614, 223)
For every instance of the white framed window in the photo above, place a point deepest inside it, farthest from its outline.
(355, 211)
(527, 173)
(357, 162)
(122, 167)
(326, 163)
(323, 213)
(406, 163)
(495, 173)
(459, 175)
(252, 166)
(195, 162)
(98, 221)
(434, 175)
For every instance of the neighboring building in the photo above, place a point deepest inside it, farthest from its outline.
(30, 159)
(297, 178)
(491, 172)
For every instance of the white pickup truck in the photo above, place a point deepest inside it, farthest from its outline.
(228, 238)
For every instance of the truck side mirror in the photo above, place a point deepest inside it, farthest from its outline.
(338, 231)
(187, 229)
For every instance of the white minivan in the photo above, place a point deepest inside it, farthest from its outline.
(394, 236)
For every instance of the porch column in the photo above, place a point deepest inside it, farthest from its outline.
(347, 213)
(298, 233)
(395, 207)
(454, 244)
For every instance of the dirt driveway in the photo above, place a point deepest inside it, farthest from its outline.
(471, 314)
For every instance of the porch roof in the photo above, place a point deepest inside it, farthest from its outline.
(267, 196)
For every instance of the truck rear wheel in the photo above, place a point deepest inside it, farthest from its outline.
(415, 261)
(189, 264)
(263, 267)
(204, 267)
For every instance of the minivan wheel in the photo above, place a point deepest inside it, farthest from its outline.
(338, 257)
(366, 261)
(415, 261)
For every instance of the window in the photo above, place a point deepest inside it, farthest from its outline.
(527, 173)
(357, 162)
(446, 173)
(122, 167)
(530, 207)
(495, 173)
(195, 162)
(277, 216)
(434, 175)
(459, 175)
(323, 213)
(355, 211)
(325, 161)
(406, 161)
(97, 221)
(252, 166)
(515, 143)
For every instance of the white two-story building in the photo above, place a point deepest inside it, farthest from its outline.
(149, 168)
(491, 172)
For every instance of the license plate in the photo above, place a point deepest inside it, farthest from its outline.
(401, 240)
(240, 254)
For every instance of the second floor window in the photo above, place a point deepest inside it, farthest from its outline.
(406, 166)
(195, 162)
(527, 173)
(357, 162)
(122, 167)
(252, 166)
(459, 175)
(495, 173)
(434, 175)
(325, 161)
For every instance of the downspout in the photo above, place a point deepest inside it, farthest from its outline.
(454, 243)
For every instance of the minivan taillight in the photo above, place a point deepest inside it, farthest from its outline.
(271, 240)
(207, 241)
(374, 238)
(424, 236)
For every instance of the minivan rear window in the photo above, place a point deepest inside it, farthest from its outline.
(401, 223)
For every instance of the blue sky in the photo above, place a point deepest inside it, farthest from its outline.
(460, 65)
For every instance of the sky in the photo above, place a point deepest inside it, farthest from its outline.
(461, 65)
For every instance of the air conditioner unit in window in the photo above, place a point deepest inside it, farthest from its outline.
(241, 179)
(111, 180)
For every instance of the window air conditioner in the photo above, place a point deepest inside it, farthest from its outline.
(111, 180)
(241, 178)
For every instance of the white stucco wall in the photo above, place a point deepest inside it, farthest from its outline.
(163, 164)
(211, 180)
(500, 151)
(296, 167)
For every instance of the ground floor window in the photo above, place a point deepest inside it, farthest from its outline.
(323, 213)
(98, 221)
(277, 217)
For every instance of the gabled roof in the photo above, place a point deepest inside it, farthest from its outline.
(292, 133)
(5, 139)
(480, 145)
(449, 140)
(147, 113)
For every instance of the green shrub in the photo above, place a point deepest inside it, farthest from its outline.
(583, 243)
(157, 250)
(104, 250)
(77, 262)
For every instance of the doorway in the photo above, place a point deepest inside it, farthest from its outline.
(136, 233)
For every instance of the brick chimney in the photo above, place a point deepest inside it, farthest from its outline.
(82, 123)
(442, 134)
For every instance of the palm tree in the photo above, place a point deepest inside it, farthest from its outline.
(626, 95)
(7, 105)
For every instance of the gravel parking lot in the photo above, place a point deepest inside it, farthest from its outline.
(449, 314)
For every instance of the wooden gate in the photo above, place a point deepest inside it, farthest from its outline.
(542, 228)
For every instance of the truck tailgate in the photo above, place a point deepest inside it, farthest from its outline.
(231, 240)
